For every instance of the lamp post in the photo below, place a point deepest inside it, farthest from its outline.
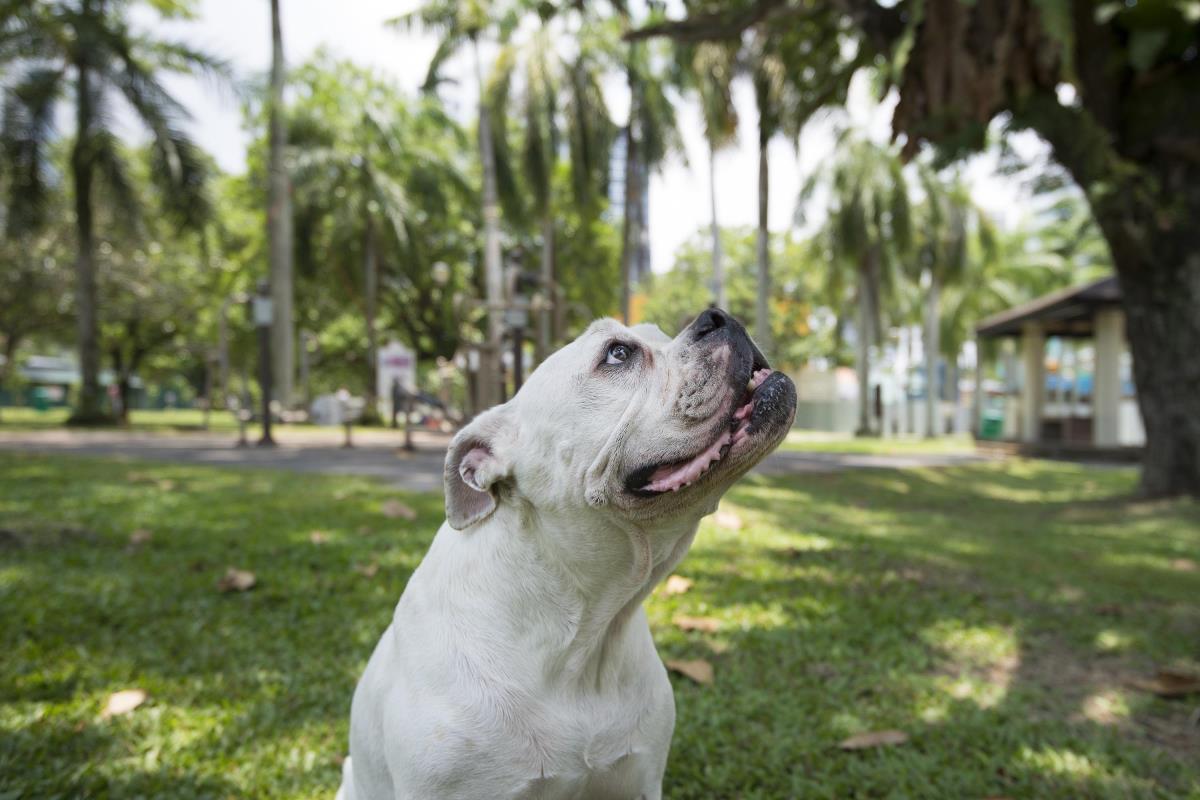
(223, 341)
(263, 317)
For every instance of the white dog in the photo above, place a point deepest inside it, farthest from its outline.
(519, 663)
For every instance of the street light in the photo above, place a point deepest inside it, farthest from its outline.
(264, 314)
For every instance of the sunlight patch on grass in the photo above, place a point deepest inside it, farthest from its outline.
(1106, 707)
(1112, 641)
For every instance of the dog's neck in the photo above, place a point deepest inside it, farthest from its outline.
(570, 586)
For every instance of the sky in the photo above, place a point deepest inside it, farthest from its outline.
(239, 31)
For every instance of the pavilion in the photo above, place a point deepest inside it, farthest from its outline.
(1067, 382)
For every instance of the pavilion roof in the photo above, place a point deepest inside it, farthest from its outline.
(1067, 312)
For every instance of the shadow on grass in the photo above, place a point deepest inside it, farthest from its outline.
(997, 631)
(992, 612)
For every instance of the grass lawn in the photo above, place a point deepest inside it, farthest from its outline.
(152, 420)
(821, 442)
(994, 613)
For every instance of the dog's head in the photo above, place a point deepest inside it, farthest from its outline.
(626, 421)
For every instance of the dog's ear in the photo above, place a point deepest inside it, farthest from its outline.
(475, 463)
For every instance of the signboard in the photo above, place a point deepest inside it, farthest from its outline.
(395, 362)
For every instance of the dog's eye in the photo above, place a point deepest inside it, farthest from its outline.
(618, 354)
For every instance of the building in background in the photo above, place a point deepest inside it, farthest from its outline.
(1068, 386)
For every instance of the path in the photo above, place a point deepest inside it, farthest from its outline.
(377, 453)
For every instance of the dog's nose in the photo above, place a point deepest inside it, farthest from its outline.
(710, 321)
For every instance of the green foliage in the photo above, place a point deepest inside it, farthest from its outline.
(801, 324)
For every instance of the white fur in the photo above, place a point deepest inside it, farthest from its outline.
(519, 663)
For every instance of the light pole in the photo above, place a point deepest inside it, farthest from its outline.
(263, 317)
(223, 340)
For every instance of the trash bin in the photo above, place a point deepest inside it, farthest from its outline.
(992, 425)
(40, 397)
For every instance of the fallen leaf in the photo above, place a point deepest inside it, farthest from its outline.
(728, 520)
(366, 570)
(1184, 565)
(139, 537)
(318, 537)
(166, 484)
(122, 702)
(702, 624)
(1168, 683)
(716, 646)
(677, 584)
(394, 509)
(822, 669)
(237, 580)
(865, 741)
(698, 670)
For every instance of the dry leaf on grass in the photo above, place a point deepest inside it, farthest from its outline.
(166, 484)
(865, 741)
(138, 538)
(318, 537)
(122, 702)
(728, 520)
(366, 570)
(1168, 683)
(1184, 565)
(698, 670)
(677, 584)
(394, 509)
(237, 580)
(702, 624)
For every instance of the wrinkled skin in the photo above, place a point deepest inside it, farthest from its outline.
(519, 662)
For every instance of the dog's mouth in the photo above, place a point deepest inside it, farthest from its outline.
(758, 405)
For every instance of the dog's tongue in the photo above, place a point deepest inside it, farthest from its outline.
(673, 477)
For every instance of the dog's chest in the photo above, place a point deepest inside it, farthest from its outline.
(558, 746)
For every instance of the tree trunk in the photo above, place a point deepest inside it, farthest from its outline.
(1162, 310)
(545, 336)
(279, 226)
(762, 319)
(489, 372)
(718, 268)
(931, 345)
(10, 352)
(1146, 202)
(371, 297)
(863, 359)
(977, 396)
(630, 235)
(91, 409)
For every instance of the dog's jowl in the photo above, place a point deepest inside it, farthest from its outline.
(519, 663)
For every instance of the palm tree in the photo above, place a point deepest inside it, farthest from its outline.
(651, 135)
(557, 96)
(464, 24)
(279, 224)
(956, 242)
(359, 172)
(83, 52)
(868, 228)
(793, 78)
(710, 72)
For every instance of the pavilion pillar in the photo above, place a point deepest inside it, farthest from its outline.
(1033, 385)
(1109, 335)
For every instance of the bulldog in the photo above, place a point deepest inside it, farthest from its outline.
(519, 662)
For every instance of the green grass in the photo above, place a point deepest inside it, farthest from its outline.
(150, 420)
(172, 421)
(993, 612)
(820, 442)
